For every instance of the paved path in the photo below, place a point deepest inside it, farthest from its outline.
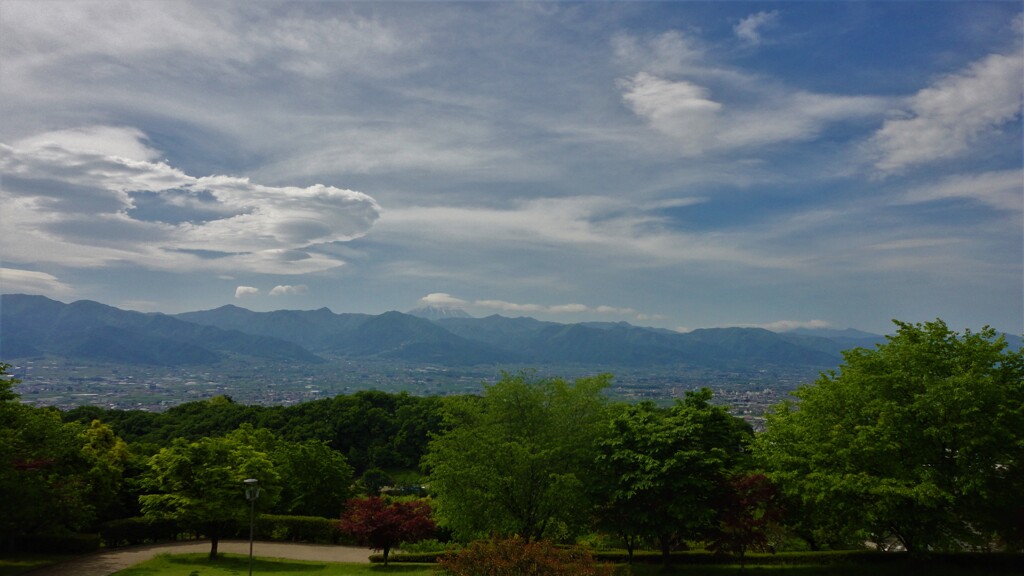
(110, 561)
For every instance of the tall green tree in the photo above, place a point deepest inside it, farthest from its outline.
(920, 439)
(200, 484)
(7, 383)
(45, 476)
(107, 456)
(42, 474)
(515, 461)
(660, 473)
(315, 478)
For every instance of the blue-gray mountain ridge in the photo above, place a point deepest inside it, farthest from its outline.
(38, 326)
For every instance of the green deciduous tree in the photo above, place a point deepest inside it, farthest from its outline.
(45, 476)
(661, 472)
(513, 462)
(7, 384)
(106, 456)
(315, 478)
(42, 473)
(199, 483)
(921, 439)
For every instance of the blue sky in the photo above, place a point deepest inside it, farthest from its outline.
(673, 164)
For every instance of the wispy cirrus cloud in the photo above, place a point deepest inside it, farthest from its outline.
(444, 299)
(750, 28)
(1001, 189)
(703, 108)
(618, 233)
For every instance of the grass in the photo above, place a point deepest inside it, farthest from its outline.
(15, 564)
(238, 565)
(836, 570)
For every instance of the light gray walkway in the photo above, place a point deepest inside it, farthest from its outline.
(110, 561)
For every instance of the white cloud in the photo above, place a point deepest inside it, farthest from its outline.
(698, 122)
(113, 141)
(946, 119)
(442, 299)
(287, 290)
(749, 29)
(680, 109)
(668, 53)
(790, 325)
(13, 280)
(509, 306)
(601, 228)
(777, 326)
(1002, 189)
(243, 291)
(225, 37)
(71, 192)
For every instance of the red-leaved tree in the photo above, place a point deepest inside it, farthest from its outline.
(747, 511)
(380, 524)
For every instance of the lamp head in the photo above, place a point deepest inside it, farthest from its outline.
(252, 489)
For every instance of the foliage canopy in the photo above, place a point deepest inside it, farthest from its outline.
(200, 484)
(920, 439)
(513, 461)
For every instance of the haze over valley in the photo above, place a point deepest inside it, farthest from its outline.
(86, 352)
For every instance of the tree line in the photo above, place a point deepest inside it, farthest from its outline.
(918, 443)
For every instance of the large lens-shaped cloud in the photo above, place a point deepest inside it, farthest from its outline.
(98, 195)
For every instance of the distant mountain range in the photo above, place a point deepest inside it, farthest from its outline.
(36, 325)
(33, 326)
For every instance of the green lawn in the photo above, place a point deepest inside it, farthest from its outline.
(840, 570)
(238, 565)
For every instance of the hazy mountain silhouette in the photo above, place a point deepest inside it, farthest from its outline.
(35, 325)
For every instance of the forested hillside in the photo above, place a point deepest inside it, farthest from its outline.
(916, 445)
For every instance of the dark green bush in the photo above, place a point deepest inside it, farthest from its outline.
(129, 531)
(429, 557)
(311, 529)
(63, 543)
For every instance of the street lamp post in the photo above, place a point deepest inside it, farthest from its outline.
(252, 492)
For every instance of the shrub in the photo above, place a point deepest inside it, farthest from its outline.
(298, 529)
(410, 557)
(425, 546)
(59, 543)
(129, 531)
(499, 557)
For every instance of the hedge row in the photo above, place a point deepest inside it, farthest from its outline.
(779, 559)
(310, 529)
(829, 558)
(130, 531)
(996, 561)
(68, 543)
(428, 557)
